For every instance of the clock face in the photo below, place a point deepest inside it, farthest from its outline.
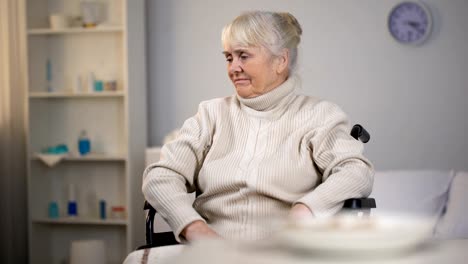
(410, 23)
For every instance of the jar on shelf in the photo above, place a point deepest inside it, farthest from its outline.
(118, 212)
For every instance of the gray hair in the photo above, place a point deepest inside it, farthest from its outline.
(272, 30)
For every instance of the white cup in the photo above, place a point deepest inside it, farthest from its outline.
(88, 251)
(58, 21)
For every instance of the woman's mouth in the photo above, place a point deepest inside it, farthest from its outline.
(241, 81)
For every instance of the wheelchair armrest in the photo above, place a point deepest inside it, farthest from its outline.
(359, 203)
(155, 239)
(148, 206)
(149, 223)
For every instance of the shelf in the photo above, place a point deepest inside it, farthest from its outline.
(48, 31)
(80, 221)
(89, 157)
(114, 118)
(74, 95)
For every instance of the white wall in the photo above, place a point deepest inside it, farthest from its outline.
(411, 99)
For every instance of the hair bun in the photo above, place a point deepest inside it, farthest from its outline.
(291, 21)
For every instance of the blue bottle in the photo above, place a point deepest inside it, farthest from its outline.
(102, 209)
(53, 210)
(84, 145)
(72, 206)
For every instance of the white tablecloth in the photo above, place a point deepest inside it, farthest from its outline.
(217, 252)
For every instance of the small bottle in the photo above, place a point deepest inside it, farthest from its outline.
(78, 84)
(84, 145)
(53, 210)
(91, 80)
(72, 206)
(98, 86)
(102, 209)
(49, 76)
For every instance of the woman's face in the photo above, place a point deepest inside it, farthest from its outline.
(253, 70)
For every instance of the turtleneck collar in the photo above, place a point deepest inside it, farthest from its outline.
(271, 100)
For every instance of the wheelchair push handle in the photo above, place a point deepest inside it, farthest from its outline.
(359, 133)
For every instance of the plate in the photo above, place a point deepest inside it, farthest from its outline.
(357, 235)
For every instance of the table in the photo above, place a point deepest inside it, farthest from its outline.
(229, 252)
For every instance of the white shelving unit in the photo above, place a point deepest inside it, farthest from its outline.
(44, 31)
(115, 121)
(80, 221)
(89, 157)
(75, 95)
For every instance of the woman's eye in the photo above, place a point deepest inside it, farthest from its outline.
(244, 57)
(228, 59)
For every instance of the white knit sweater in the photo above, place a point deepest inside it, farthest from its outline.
(250, 160)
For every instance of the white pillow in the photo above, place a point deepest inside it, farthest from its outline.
(415, 192)
(454, 224)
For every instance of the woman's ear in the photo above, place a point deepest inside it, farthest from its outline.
(283, 61)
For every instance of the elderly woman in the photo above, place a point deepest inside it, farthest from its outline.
(263, 152)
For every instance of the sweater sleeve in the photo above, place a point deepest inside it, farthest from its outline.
(167, 183)
(346, 173)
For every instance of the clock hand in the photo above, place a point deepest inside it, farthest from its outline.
(411, 23)
(414, 25)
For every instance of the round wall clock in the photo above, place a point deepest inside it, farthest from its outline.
(410, 22)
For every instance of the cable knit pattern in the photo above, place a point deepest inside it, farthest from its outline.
(251, 160)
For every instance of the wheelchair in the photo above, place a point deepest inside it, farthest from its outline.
(357, 206)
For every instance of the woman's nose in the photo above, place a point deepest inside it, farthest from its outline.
(235, 66)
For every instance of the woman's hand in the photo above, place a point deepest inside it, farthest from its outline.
(300, 211)
(198, 230)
